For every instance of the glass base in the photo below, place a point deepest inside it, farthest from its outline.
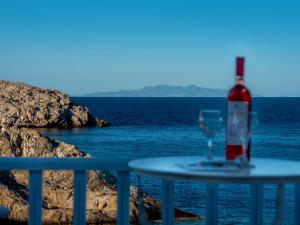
(212, 163)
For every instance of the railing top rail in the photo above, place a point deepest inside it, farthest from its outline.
(28, 163)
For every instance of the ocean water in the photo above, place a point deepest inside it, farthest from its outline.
(151, 127)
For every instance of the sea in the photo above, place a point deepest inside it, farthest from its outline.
(154, 127)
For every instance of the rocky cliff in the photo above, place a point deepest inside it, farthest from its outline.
(23, 108)
(23, 105)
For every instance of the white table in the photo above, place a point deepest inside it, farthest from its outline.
(266, 171)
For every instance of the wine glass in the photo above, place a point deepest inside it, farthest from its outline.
(245, 136)
(210, 122)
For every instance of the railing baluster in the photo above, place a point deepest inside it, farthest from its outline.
(167, 202)
(212, 204)
(35, 197)
(297, 204)
(79, 207)
(279, 204)
(141, 206)
(123, 185)
(256, 217)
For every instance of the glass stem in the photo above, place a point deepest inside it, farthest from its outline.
(209, 154)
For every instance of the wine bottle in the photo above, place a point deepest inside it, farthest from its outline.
(238, 112)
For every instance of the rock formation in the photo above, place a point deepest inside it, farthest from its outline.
(23, 105)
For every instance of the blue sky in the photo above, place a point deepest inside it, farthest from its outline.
(87, 46)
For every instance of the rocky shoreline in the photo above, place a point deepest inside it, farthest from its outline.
(23, 105)
(24, 108)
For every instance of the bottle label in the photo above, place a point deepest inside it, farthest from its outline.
(237, 121)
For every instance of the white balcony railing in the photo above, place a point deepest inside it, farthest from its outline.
(35, 166)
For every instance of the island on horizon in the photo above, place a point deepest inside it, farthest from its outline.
(165, 91)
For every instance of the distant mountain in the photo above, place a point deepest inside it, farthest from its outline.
(164, 91)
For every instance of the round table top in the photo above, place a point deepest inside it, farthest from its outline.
(177, 168)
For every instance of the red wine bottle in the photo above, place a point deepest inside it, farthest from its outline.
(238, 112)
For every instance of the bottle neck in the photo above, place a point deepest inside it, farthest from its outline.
(239, 80)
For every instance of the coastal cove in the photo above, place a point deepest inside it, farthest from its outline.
(149, 127)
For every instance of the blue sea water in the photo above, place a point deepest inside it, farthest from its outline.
(151, 127)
